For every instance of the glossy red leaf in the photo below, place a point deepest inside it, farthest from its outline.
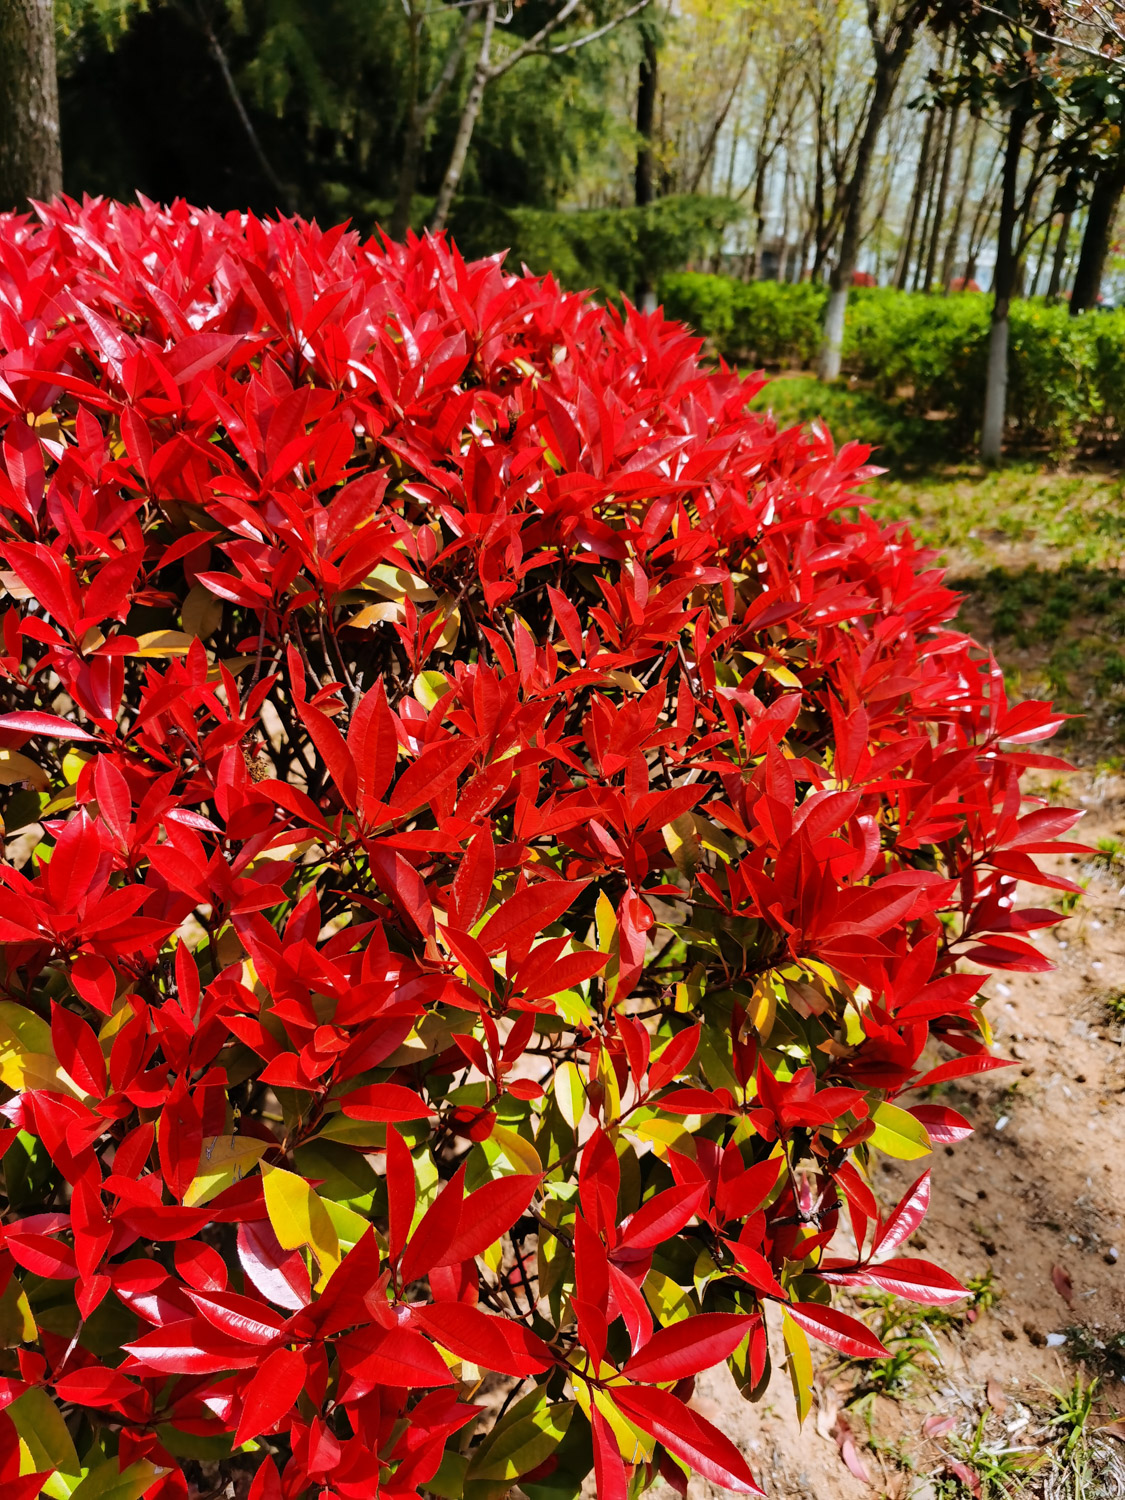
(385, 1101)
(688, 1435)
(270, 1394)
(688, 1347)
(488, 1213)
(830, 1326)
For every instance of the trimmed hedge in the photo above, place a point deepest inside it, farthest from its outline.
(1067, 375)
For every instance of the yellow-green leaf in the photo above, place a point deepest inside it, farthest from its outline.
(505, 1147)
(429, 687)
(669, 1301)
(224, 1160)
(163, 643)
(15, 768)
(570, 1093)
(899, 1134)
(300, 1218)
(27, 1056)
(800, 1364)
(202, 612)
(17, 1325)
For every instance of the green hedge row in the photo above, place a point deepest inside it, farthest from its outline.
(928, 353)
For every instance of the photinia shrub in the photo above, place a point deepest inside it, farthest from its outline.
(492, 828)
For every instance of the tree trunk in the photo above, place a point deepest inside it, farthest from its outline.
(1058, 265)
(30, 154)
(1104, 201)
(412, 141)
(931, 191)
(942, 194)
(902, 271)
(466, 124)
(646, 120)
(407, 175)
(1030, 203)
(643, 192)
(1041, 259)
(888, 65)
(1003, 283)
(958, 213)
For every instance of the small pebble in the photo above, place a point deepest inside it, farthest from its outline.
(1111, 1256)
(1002, 1122)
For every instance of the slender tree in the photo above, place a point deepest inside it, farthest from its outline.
(958, 212)
(643, 189)
(420, 110)
(902, 270)
(30, 151)
(488, 69)
(942, 194)
(1058, 263)
(892, 35)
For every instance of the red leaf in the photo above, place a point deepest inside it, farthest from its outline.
(42, 1255)
(436, 1231)
(385, 1101)
(916, 1280)
(1063, 1284)
(698, 1102)
(675, 1058)
(271, 1393)
(837, 1329)
(610, 1481)
(49, 724)
(488, 1213)
(434, 772)
(493, 1343)
(526, 914)
(688, 1347)
(663, 1216)
(904, 1220)
(94, 1385)
(961, 1067)
(686, 1434)
(944, 1126)
(278, 1274)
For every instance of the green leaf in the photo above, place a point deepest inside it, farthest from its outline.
(346, 1176)
(899, 1134)
(515, 1447)
(17, 1325)
(108, 1482)
(43, 1433)
(449, 1481)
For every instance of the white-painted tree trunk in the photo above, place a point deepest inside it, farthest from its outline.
(832, 349)
(995, 393)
